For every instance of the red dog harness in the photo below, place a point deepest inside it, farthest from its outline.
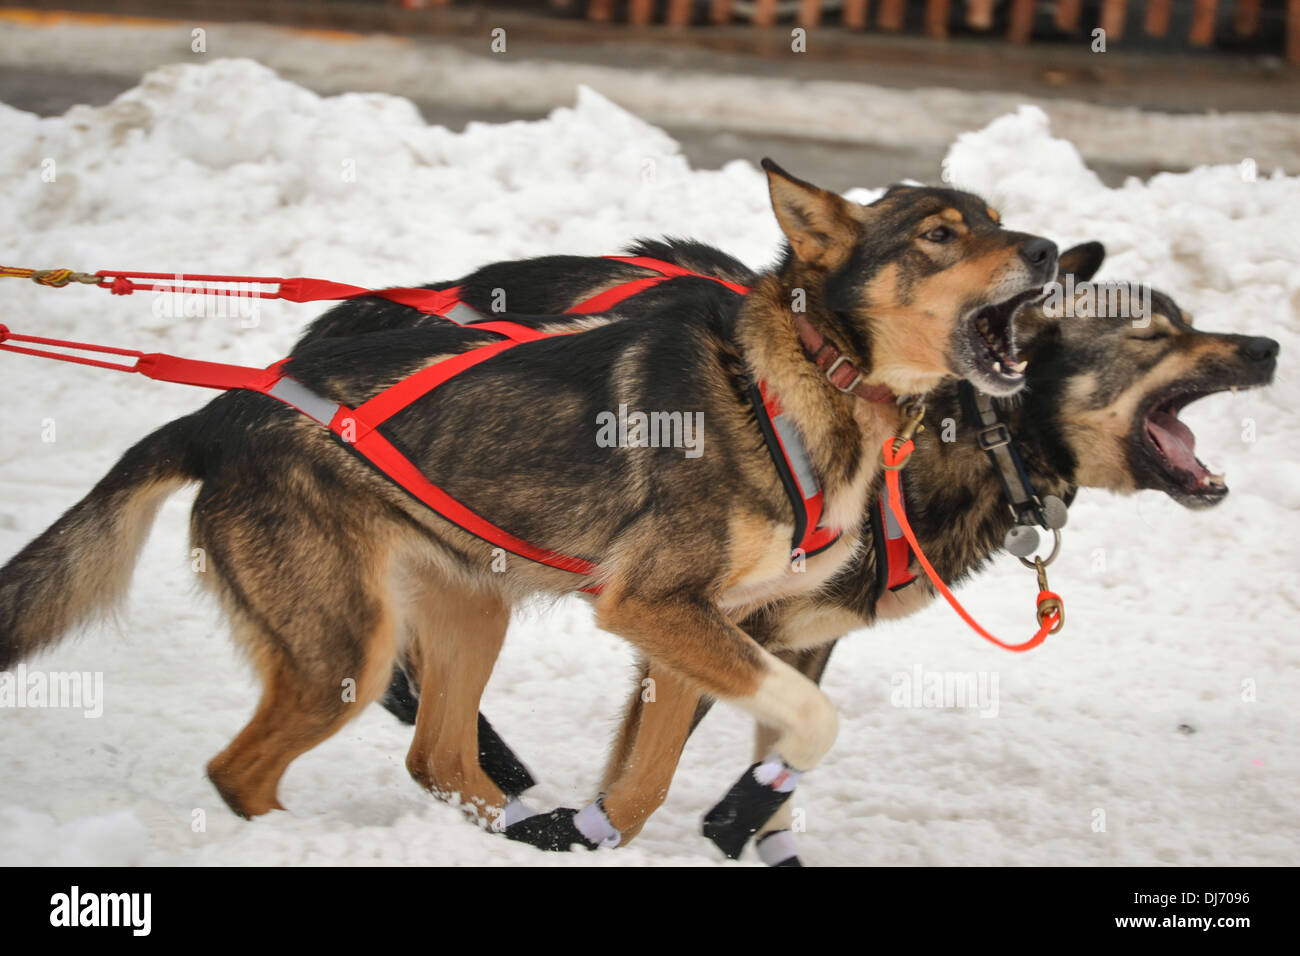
(359, 427)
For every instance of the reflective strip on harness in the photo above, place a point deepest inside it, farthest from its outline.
(462, 314)
(796, 453)
(794, 466)
(295, 393)
(897, 553)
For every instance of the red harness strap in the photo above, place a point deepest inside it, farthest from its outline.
(790, 455)
(356, 428)
(359, 427)
(606, 300)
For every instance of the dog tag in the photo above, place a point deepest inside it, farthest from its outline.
(1055, 514)
(1022, 540)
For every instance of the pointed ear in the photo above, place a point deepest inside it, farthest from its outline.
(1081, 261)
(821, 226)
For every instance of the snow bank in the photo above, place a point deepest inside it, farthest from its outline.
(1176, 619)
(671, 93)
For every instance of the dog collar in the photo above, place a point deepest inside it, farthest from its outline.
(836, 366)
(1026, 506)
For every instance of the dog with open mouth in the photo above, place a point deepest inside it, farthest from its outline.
(330, 572)
(1100, 410)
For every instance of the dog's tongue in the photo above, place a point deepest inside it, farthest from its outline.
(1176, 442)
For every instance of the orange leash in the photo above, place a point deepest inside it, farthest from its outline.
(1050, 610)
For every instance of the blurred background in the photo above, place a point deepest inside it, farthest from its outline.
(850, 91)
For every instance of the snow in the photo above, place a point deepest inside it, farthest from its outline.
(674, 94)
(1176, 619)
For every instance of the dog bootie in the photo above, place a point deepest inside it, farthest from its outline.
(777, 848)
(554, 831)
(749, 804)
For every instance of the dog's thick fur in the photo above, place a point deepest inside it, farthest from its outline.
(1078, 423)
(328, 571)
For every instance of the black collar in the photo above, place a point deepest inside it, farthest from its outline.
(995, 438)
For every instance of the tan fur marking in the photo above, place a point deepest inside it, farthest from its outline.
(459, 636)
(640, 785)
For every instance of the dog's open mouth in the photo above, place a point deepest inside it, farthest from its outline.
(1173, 446)
(992, 342)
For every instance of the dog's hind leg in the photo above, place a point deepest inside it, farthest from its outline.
(297, 712)
(457, 635)
(311, 601)
(303, 703)
(494, 755)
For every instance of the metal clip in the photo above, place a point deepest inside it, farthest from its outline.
(1047, 606)
(831, 371)
(915, 411)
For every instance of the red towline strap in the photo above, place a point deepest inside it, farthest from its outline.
(429, 301)
(356, 428)
(894, 461)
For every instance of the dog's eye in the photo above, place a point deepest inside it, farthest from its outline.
(1148, 334)
(938, 234)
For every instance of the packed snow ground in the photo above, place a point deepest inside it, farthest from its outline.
(1166, 705)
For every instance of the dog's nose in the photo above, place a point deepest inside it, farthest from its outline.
(1260, 349)
(1039, 254)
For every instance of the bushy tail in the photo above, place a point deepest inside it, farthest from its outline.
(82, 563)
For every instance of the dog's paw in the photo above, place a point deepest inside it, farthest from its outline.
(554, 831)
(748, 805)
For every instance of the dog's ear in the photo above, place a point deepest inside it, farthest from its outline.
(1081, 261)
(821, 226)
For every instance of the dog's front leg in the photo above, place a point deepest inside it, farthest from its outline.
(659, 719)
(695, 639)
(775, 839)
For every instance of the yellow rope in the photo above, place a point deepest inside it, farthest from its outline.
(54, 278)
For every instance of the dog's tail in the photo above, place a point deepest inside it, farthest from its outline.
(82, 563)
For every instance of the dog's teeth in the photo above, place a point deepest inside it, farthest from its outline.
(1018, 367)
(1234, 389)
(997, 367)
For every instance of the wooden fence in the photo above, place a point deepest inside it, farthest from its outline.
(890, 16)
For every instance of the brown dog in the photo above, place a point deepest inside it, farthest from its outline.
(329, 571)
